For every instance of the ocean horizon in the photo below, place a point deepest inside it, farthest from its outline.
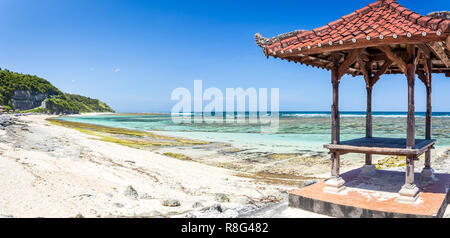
(318, 113)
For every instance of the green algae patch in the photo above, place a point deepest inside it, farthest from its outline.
(177, 156)
(275, 178)
(391, 162)
(277, 156)
(131, 138)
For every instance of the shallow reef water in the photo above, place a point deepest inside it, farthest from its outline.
(296, 132)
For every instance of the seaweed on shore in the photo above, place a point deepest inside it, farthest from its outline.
(131, 138)
(275, 178)
(177, 156)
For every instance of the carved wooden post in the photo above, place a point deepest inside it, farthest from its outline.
(369, 112)
(335, 183)
(335, 164)
(335, 122)
(428, 127)
(409, 191)
(369, 121)
(368, 169)
(427, 171)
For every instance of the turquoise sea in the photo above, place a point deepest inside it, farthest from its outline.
(297, 131)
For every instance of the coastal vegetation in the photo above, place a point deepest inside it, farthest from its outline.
(11, 81)
(54, 100)
(72, 103)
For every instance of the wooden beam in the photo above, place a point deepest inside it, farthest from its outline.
(425, 50)
(351, 58)
(422, 76)
(397, 60)
(365, 72)
(440, 53)
(390, 147)
(418, 57)
(416, 39)
(312, 61)
(382, 70)
(428, 68)
(447, 42)
(382, 56)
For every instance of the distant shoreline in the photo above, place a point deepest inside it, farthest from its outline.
(284, 114)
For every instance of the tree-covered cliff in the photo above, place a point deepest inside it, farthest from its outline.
(31, 93)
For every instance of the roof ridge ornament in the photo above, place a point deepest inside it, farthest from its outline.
(441, 14)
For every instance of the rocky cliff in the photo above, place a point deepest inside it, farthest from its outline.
(26, 100)
(24, 92)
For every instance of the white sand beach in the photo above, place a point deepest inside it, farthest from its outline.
(53, 171)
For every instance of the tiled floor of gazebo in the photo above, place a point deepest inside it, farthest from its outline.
(375, 196)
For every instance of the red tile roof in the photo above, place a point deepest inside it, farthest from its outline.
(381, 20)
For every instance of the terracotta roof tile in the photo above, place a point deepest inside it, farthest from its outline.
(350, 17)
(378, 20)
(444, 26)
(423, 20)
(413, 17)
(363, 10)
(406, 13)
(321, 30)
(375, 4)
(433, 24)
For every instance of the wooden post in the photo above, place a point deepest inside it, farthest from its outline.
(411, 122)
(411, 126)
(428, 116)
(368, 169)
(369, 120)
(428, 128)
(335, 127)
(427, 171)
(335, 183)
(369, 112)
(410, 172)
(335, 165)
(335, 120)
(409, 191)
(429, 113)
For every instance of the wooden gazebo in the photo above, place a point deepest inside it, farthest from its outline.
(381, 38)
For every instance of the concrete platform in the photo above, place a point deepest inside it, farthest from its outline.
(375, 196)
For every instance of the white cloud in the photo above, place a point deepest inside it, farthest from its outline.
(116, 70)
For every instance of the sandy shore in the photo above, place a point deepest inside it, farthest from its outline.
(52, 171)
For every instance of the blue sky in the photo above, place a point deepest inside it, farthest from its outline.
(132, 54)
